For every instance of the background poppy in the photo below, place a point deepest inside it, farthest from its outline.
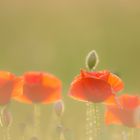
(40, 87)
(127, 112)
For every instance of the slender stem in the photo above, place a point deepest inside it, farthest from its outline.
(62, 136)
(36, 119)
(131, 134)
(96, 121)
(6, 133)
(89, 122)
(124, 135)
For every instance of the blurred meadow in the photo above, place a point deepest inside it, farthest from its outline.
(55, 36)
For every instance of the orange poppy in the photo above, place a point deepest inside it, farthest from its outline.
(40, 87)
(9, 87)
(95, 86)
(126, 113)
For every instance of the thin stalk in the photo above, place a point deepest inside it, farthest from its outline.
(36, 120)
(96, 122)
(89, 122)
(60, 123)
(131, 134)
(6, 133)
(124, 135)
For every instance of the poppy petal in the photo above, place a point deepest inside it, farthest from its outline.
(22, 99)
(111, 100)
(110, 118)
(40, 87)
(55, 96)
(18, 87)
(6, 86)
(115, 82)
(90, 89)
(51, 81)
(129, 101)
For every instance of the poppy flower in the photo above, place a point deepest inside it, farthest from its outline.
(40, 87)
(9, 87)
(95, 86)
(126, 113)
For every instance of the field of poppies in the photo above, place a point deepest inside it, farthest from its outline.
(69, 70)
(93, 88)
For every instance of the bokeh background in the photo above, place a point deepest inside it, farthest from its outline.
(55, 36)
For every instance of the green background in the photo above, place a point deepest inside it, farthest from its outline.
(55, 36)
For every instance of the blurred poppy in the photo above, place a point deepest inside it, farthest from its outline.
(40, 87)
(95, 86)
(9, 87)
(126, 113)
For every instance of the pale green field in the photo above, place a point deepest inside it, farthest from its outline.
(55, 36)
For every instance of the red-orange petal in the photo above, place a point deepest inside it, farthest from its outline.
(40, 87)
(115, 82)
(6, 86)
(110, 118)
(22, 99)
(125, 112)
(129, 101)
(17, 87)
(90, 89)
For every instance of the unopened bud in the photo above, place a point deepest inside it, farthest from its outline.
(59, 108)
(5, 117)
(92, 60)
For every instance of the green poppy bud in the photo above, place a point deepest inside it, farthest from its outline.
(92, 60)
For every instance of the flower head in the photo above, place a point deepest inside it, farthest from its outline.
(40, 87)
(126, 113)
(95, 86)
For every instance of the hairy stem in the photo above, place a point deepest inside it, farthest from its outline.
(36, 120)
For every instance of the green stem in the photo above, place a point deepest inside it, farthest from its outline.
(96, 122)
(131, 134)
(89, 122)
(36, 119)
(6, 133)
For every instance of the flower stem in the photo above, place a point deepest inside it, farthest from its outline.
(36, 119)
(124, 135)
(131, 134)
(6, 133)
(96, 121)
(89, 122)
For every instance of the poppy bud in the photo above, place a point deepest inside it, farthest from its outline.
(92, 60)
(59, 108)
(5, 117)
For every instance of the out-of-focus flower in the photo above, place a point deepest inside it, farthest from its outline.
(126, 113)
(40, 87)
(59, 108)
(95, 86)
(10, 86)
(6, 117)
